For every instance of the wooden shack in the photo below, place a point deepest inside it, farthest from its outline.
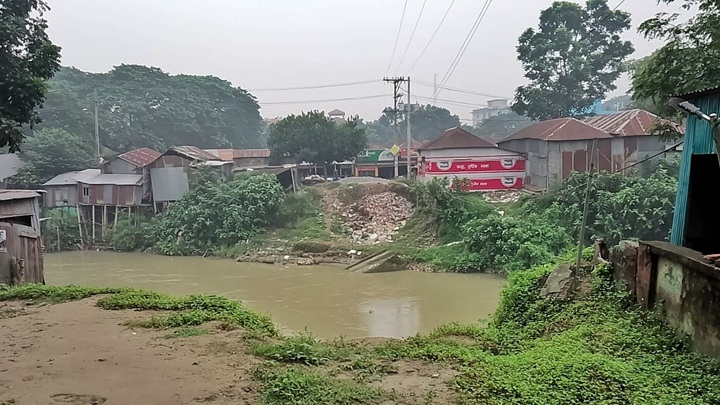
(21, 259)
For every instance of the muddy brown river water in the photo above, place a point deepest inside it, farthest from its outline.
(326, 300)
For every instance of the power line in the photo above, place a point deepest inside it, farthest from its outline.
(465, 44)
(397, 37)
(412, 35)
(458, 90)
(433, 36)
(323, 101)
(320, 86)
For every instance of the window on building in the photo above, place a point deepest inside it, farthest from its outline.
(86, 191)
(366, 173)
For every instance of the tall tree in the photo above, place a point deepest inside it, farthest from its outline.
(426, 121)
(143, 106)
(313, 137)
(572, 60)
(49, 152)
(27, 60)
(501, 125)
(689, 59)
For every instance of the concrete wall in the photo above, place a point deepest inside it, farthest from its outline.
(679, 285)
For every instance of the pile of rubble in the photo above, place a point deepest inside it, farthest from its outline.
(375, 217)
(496, 197)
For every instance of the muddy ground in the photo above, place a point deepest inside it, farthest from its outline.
(75, 353)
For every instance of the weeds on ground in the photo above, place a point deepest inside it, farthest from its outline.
(302, 386)
(186, 332)
(192, 310)
(304, 349)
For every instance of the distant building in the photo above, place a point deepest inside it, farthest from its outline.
(170, 172)
(494, 108)
(243, 157)
(556, 148)
(62, 190)
(457, 153)
(337, 115)
(134, 162)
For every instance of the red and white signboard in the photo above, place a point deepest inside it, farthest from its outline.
(475, 166)
(505, 183)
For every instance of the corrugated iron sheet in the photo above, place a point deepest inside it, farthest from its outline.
(456, 138)
(70, 178)
(115, 179)
(251, 153)
(8, 195)
(635, 122)
(140, 157)
(222, 154)
(559, 129)
(192, 152)
(698, 140)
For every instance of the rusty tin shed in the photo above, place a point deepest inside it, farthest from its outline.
(21, 258)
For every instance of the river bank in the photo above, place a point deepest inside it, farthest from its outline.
(592, 348)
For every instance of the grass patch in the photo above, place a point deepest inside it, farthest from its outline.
(51, 294)
(186, 332)
(191, 310)
(304, 349)
(301, 386)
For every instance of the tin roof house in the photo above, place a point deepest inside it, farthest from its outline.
(556, 148)
(21, 259)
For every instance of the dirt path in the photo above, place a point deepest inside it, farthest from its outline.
(75, 353)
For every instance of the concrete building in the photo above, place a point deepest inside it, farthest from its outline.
(556, 148)
(337, 115)
(21, 258)
(494, 108)
(457, 153)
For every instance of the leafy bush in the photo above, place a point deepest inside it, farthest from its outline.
(218, 213)
(126, 236)
(620, 207)
(63, 222)
(513, 243)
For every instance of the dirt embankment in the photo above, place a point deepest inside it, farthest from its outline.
(76, 353)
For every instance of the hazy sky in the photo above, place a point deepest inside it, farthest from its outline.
(260, 44)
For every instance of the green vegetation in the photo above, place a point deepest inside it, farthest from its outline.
(192, 310)
(186, 332)
(217, 213)
(301, 217)
(62, 227)
(622, 207)
(126, 235)
(29, 59)
(302, 386)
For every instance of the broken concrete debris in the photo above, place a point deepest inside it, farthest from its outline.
(375, 217)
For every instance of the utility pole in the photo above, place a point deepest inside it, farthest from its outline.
(407, 122)
(97, 124)
(397, 95)
(434, 86)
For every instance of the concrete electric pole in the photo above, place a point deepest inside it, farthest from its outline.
(397, 95)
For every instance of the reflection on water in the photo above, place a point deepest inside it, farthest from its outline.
(326, 300)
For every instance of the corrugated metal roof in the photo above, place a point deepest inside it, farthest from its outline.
(559, 129)
(635, 122)
(70, 178)
(456, 138)
(251, 153)
(222, 154)
(114, 179)
(7, 195)
(191, 152)
(9, 165)
(706, 92)
(140, 157)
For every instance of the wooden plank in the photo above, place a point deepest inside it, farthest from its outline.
(645, 277)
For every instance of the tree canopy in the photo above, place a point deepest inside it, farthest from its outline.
(29, 59)
(689, 59)
(52, 151)
(501, 125)
(143, 106)
(313, 137)
(572, 60)
(427, 122)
